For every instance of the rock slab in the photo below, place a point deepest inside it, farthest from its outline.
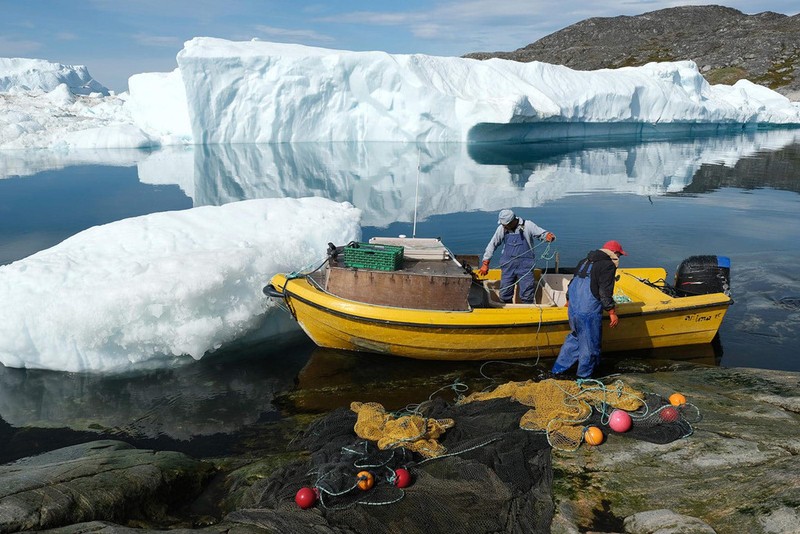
(100, 480)
(737, 472)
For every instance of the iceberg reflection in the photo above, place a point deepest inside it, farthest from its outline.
(388, 181)
(219, 394)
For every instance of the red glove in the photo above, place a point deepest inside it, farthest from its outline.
(550, 237)
(484, 270)
(612, 313)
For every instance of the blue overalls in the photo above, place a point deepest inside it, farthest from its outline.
(516, 263)
(586, 321)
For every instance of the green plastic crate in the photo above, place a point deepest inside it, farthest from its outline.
(373, 256)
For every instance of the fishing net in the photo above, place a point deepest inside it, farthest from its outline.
(655, 421)
(489, 475)
(413, 432)
(560, 408)
(480, 464)
(563, 409)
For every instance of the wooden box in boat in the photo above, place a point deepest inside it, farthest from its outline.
(424, 285)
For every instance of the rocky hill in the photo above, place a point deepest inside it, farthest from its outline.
(726, 44)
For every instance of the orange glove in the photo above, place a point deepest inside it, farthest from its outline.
(550, 237)
(612, 313)
(484, 270)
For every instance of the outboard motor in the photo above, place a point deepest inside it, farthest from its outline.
(701, 275)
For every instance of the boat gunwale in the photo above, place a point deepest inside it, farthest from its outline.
(710, 306)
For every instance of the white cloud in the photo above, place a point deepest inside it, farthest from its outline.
(169, 41)
(428, 31)
(17, 47)
(378, 18)
(290, 34)
(202, 10)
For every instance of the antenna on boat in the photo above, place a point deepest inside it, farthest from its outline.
(416, 196)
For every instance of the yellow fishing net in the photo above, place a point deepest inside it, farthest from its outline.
(414, 432)
(560, 407)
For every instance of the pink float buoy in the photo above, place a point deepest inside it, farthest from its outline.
(620, 421)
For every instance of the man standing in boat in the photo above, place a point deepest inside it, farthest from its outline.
(517, 260)
(590, 291)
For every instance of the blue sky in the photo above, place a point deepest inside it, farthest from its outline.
(116, 39)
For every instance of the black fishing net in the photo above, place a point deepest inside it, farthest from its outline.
(488, 475)
(657, 421)
(492, 477)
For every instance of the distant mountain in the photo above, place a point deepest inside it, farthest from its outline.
(726, 44)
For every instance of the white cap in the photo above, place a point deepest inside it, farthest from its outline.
(505, 217)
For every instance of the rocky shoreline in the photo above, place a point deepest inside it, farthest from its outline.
(737, 472)
(726, 44)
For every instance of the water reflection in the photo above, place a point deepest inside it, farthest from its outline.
(388, 181)
(221, 394)
(206, 407)
(333, 379)
(777, 169)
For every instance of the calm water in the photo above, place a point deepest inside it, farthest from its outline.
(735, 196)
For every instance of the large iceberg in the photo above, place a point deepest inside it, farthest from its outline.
(259, 92)
(136, 291)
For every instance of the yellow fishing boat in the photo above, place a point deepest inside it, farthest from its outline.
(430, 305)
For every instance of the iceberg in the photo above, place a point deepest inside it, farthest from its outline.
(157, 103)
(150, 289)
(20, 75)
(260, 92)
(62, 121)
(226, 92)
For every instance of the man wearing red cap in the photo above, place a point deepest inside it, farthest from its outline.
(590, 291)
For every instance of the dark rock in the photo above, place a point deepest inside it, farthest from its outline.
(725, 43)
(100, 480)
(665, 522)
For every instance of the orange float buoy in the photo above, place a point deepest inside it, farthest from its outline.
(593, 435)
(676, 399)
(365, 480)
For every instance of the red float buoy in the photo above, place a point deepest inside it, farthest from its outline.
(402, 478)
(669, 414)
(305, 498)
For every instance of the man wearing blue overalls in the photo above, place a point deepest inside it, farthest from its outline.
(590, 291)
(517, 259)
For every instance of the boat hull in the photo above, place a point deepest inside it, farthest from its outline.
(651, 320)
